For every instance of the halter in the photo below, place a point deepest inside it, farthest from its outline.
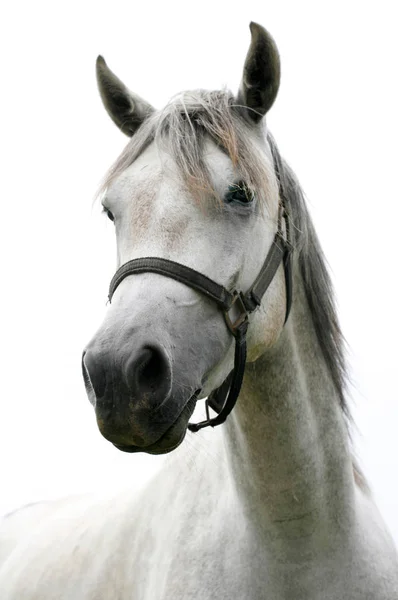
(223, 399)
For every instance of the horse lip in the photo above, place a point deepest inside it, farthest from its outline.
(156, 447)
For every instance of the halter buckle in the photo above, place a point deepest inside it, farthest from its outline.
(237, 303)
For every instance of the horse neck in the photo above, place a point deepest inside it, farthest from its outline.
(287, 439)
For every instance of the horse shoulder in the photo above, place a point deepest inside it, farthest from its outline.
(20, 523)
(72, 548)
(27, 536)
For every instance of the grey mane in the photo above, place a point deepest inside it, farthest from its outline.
(181, 128)
(317, 283)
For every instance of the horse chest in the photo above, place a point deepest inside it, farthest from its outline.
(157, 557)
(225, 557)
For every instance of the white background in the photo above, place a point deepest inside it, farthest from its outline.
(334, 120)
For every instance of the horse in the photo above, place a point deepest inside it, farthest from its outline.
(221, 292)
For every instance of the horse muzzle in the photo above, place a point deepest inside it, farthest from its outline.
(132, 392)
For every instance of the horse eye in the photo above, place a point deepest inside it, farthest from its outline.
(108, 213)
(239, 192)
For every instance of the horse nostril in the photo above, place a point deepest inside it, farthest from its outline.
(144, 376)
(93, 375)
(149, 373)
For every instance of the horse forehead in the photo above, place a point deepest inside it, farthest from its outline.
(157, 167)
(141, 177)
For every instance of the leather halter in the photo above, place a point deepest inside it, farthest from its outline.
(223, 399)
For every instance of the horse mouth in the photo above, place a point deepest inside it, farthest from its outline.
(172, 438)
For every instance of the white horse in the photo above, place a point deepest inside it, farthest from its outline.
(271, 506)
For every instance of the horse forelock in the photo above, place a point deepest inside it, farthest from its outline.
(181, 130)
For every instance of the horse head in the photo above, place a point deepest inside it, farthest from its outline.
(196, 185)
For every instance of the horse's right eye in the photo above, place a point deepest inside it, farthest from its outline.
(108, 213)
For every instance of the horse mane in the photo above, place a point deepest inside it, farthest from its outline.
(181, 129)
(317, 282)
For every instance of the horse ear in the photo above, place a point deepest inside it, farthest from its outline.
(127, 110)
(261, 74)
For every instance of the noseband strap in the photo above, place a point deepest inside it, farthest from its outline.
(174, 270)
(223, 399)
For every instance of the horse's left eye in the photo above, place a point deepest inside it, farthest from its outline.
(240, 193)
(108, 213)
